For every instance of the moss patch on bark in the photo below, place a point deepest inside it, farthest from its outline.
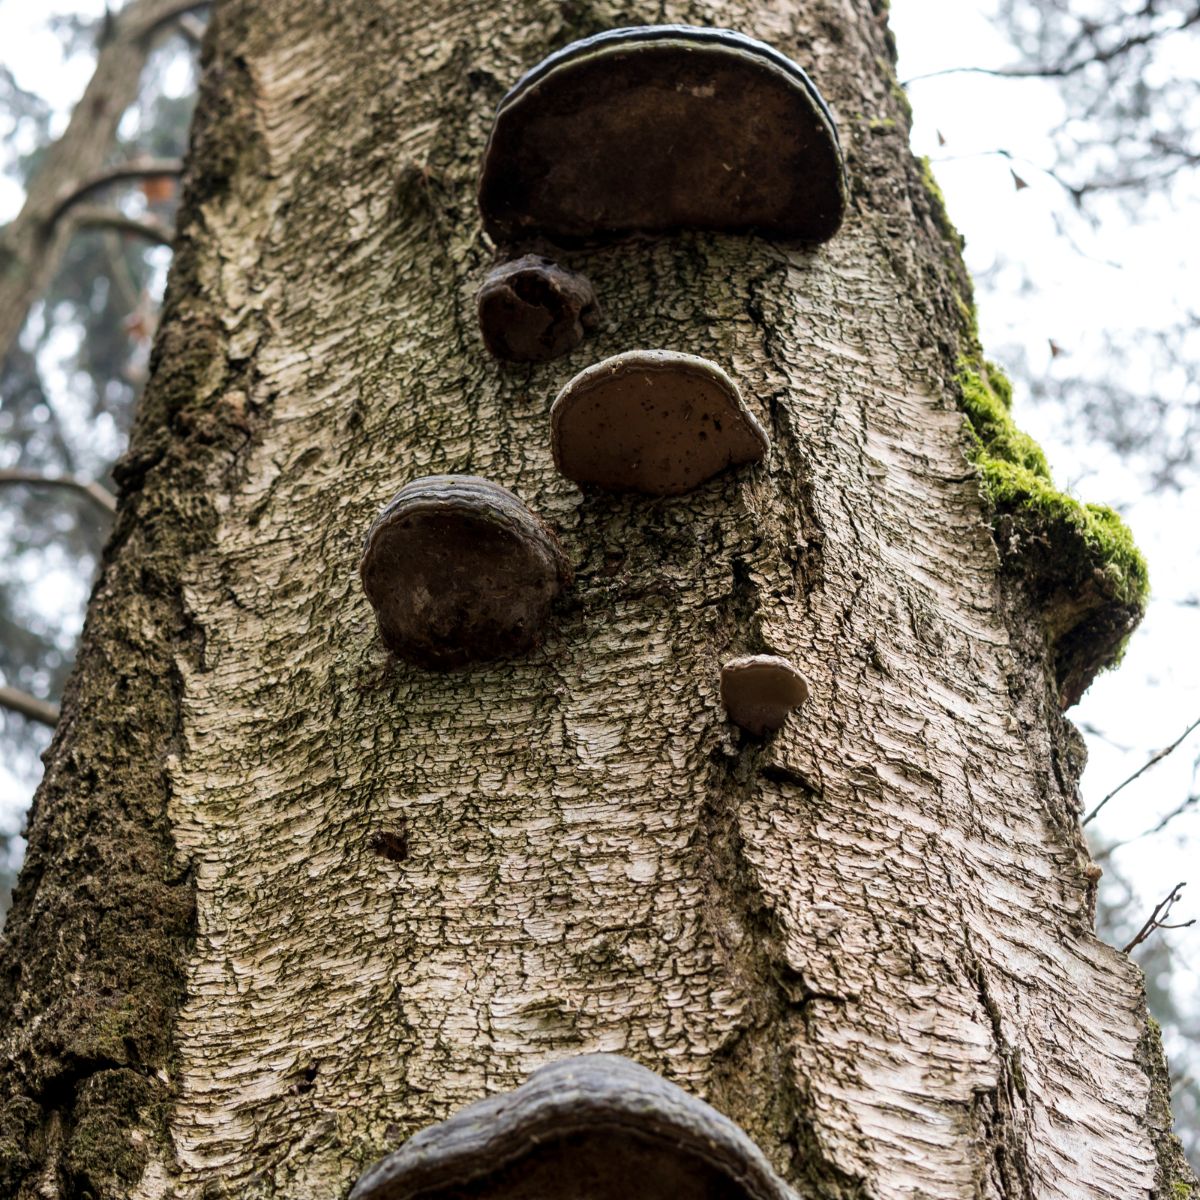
(1078, 561)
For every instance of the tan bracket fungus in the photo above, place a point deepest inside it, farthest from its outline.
(658, 128)
(594, 1127)
(533, 310)
(458, 569)
(759, 690)
(652, 421)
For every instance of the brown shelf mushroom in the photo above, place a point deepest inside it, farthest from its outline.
(458, 569)
(663, 127)
(533, 310)
(652, 421)
(594, 1127)
(759, 691)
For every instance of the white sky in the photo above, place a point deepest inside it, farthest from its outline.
(1156, 693)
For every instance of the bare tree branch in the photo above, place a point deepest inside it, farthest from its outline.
(93, 491)
(29, 706)
(135, 168)
(95, 216)
(192, 29)
(1157, 920)
(33, 242)
(179, 11)
(1154, 758)
(1072, 62)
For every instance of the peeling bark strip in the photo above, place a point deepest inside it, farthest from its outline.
(867, 942)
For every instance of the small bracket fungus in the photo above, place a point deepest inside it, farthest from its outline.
(663, 127)
(533, 310)
(652, 421)
(459, 569)
(759, 691)
(594, 1127)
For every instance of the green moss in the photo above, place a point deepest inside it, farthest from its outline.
(940, 213)
(1184, 1191)
(1078, 561)
(103, 1159)
(987, 399)
(1012, 487)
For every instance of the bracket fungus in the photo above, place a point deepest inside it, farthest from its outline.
(759, 691)
(458, 569)
(663, 127)
(533, 310)
(652, 421)
(593, 1127)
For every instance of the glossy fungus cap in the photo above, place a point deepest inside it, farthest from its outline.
(652, 421)
(458, 569)
(593, 1127)
(660, 128)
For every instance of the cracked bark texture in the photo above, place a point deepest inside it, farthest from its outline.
(288, 901)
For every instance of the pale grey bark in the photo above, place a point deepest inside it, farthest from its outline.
(869, 942)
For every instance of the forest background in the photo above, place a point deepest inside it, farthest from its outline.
(1065, 135)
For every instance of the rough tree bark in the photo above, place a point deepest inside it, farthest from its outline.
(868, 941)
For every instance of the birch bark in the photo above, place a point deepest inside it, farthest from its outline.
(869, 941)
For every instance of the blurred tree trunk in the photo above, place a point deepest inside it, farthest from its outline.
(32, 244)
(869, 941)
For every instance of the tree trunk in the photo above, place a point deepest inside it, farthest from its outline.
(868, 941)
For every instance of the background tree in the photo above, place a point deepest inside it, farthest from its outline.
(88, 334)
(793, 932)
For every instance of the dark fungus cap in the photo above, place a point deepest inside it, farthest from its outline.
(759, 691)
(458, 569)
(593, 1127)
(660, 128)
(652, 421)
(533, 310)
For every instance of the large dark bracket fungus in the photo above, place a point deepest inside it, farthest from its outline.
(659, 128)
(458, 569)
(759, 691)
(595, 1127)
(652, 421)
(533, 310)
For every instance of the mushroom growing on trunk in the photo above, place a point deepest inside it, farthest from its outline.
(658, 128)
(652, 421)
(594, 1127)
(458, 569)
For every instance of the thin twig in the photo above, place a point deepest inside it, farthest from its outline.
(93, 491)
(1179, 811)
(1065, 68)
(135, 168)
(1161, 910)
(1156, 758)
(29, 706)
